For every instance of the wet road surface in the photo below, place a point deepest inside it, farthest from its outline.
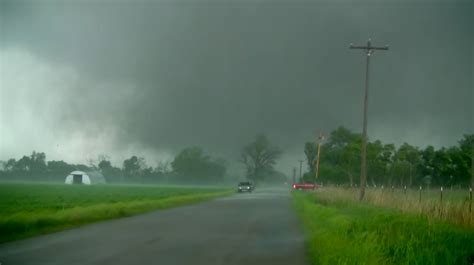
(256, 228)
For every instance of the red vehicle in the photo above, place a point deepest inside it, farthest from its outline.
(305, 186)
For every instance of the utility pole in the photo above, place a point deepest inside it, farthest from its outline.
(369, 50)
(301, 166)
(320, 139)
(294, 175)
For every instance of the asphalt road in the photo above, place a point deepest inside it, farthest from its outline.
(257, 228)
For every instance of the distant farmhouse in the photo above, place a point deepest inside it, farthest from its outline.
(87, 178)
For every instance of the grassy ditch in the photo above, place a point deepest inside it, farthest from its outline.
(32, 209)
(345, 232)
(451, 206)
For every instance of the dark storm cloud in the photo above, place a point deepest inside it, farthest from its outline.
(217, 73)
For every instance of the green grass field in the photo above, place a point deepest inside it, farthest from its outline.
(31, 209)
(452, 206)
(348, 232)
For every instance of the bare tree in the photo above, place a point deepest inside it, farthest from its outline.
(259, 157)
(164, 166)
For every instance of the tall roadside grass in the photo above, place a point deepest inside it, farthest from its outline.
(341, 231)
(32, 209)
(452, 206)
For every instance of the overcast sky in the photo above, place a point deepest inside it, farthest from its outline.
(82, 78)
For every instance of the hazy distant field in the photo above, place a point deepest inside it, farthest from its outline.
(387, 228)
(30, 209)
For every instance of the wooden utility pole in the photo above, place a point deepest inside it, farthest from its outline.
(301, 166)
(294, 175)
(319, 140)
(369, 50)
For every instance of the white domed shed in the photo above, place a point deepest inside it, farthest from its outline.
(87, 178)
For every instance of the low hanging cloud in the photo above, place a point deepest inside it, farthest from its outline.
(50, 107)
(152, 77)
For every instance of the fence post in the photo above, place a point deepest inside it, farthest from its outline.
(420, 196)
(441, 195)
(470, 199)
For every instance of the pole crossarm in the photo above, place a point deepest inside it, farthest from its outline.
(369, 48)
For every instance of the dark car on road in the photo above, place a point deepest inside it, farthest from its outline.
(245, 187)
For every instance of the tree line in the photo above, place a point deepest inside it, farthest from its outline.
(191, 166)
(388, 165)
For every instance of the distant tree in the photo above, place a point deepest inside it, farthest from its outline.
(82, 167)
(444, 166)
(91, 163)
(458, 166)
(23, 164)
(467, 148)
(408, 159)
(34, 164)
(399, 171)
(102, 160)
(441, 167)
(350, 159)
(340, 156)
(163, 167)
(388, 152)
(59, 167)
(192, 165)
(375, 164)
(330, 174)
(341, 137)
(104, 165)
(311, 152)
(110, 173)
(259, 157)
(58, 170)
(427, 165)
(38, 162)
(10, 164)
(407, 165)
(131, 168)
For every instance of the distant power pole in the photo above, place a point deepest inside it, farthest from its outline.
(369, 50)
(294, 175)
(320, 139)
(301, 166)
